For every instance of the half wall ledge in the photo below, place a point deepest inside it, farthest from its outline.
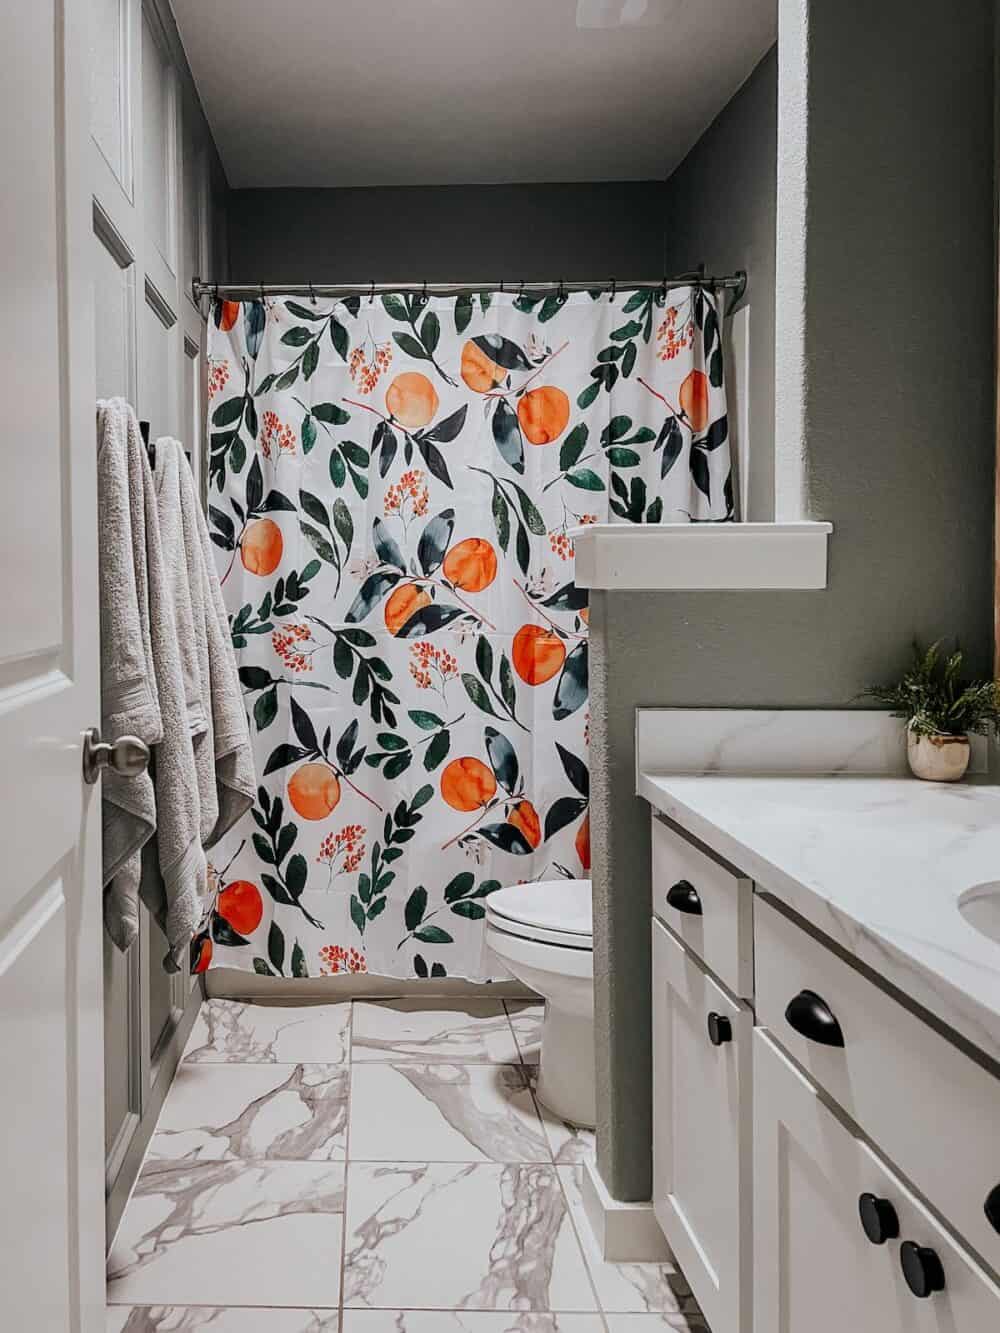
(692, 557)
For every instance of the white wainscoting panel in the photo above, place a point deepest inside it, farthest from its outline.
(159, 147)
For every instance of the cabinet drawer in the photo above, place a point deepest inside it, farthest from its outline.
(815, 1269)
(701, 1131)
(709, 907)
(930, 1109)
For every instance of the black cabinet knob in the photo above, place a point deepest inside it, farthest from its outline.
(921, 1269)
(720, 1030)
(811, 1016)
(683, 897)
(878, 1217)
(992, 1207)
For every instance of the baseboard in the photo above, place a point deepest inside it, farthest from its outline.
(230, 983)
(625, 1232)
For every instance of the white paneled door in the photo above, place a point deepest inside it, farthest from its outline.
(51, 1106)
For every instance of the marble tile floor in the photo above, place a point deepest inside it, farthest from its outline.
(370, 1167)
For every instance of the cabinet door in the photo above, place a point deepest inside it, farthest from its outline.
(815, 1269)
(813, 1264)
(701, 1131)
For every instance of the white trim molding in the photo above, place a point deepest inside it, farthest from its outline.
(159, 304)
(624, 1232)
(674, 557)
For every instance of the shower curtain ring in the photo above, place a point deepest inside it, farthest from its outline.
(312, 293)
(262, 291)
(562, 290)
(371, 294)
(501, 286)
(215, 292)
(614, 288)
(423, 294)
(520, 289)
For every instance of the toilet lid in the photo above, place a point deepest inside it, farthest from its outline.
(550, 909)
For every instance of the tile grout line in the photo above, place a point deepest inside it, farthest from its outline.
(541, 1120)
(513, 1034)
(347, 1166)
(180, 1163)
(472, 1313)
(211, 1305)
(442, 1060)
(602, 1314)
(257, 1064)
(583, 1249)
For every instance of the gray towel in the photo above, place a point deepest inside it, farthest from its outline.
(129, 700)
(173, 881)
(189, 629)
(224, 758)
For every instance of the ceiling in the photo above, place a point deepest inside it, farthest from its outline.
(435, 92)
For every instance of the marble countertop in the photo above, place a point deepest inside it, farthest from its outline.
(877, 863)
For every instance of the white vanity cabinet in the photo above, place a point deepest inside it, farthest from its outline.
(825, 1158)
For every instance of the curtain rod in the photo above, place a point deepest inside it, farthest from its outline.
(735, 282)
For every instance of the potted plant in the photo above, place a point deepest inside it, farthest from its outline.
(940, 710)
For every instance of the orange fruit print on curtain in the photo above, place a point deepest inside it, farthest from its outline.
(393, 486)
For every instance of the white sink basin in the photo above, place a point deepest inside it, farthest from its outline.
(980, 906)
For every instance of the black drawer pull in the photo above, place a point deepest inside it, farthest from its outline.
(683, 896)
(812, 1017)
(921, 1269)
(878, 1217)
(992, 1207)
(720, 1030)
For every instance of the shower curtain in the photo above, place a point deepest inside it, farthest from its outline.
(393, 483)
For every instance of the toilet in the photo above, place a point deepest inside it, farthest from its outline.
(543, 933)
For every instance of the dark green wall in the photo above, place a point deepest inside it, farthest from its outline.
(893, 362)
(721, 211)
(451, 233)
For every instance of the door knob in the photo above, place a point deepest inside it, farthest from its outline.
(921, 1269)
(811, 1016)
(720, 1030)
(879, 1219)
(683, 896)
(128, 755)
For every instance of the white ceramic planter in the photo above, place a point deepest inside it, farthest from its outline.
(938, 758)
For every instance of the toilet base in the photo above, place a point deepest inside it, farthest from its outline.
(566, 1069)
(564, 977)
